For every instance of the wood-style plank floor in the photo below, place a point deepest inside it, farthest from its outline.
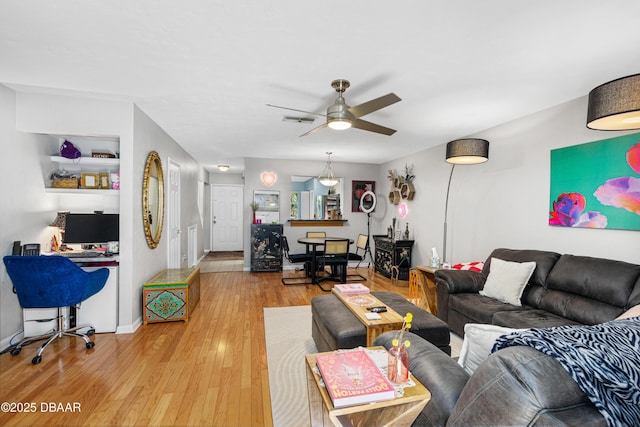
(211, 371)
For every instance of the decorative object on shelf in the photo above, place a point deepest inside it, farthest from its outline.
(102, 155)
(467, 151)
(254, 208)
(408, 174)
(60, 221)
(327, 178)
(115, 180)
(434, 262)
(406, 232)
(360, 190)
(267, 206)
(402, 187)
(153, 199)
(615, 105)
(89, 180)
(64, 181)
(398, 358)
(104, 181)
(69, 151)
(268, 178)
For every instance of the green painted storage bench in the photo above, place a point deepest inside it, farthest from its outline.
(171, 295)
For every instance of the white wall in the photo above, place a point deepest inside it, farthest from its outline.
(357, 221)
(28, 211)
(504, 202)
(25, 211)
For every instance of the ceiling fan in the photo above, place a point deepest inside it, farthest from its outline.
(341, 116)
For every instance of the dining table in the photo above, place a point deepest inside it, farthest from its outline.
(314, 243)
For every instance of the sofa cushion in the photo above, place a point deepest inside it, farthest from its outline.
(480, 308)
(544, 260)
(530, 319)
(477, 344)
(601, 279)
(507, 280)
(589, 290)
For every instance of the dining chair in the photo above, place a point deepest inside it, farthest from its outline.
(336, 256)
(361, 245)
(319, 234)
(53, 282)
(302, 258)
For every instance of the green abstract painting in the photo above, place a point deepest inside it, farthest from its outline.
(597, 185)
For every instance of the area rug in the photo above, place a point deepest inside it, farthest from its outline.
(288, 339)
(288, 336)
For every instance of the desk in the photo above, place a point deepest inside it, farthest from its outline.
(100, 310)
(314, 242)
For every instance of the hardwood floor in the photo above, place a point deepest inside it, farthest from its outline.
(211, 371)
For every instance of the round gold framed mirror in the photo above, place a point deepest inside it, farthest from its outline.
(153, 199)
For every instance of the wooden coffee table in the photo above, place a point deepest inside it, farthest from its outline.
(390, 320)
(401, 411)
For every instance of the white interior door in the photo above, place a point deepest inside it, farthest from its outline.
(226, 217)
(173, 215)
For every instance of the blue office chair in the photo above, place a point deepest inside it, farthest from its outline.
(53, 282)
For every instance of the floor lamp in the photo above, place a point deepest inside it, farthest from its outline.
(468, 151)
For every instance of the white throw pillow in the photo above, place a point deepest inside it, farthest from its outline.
(506, 280)
(478, 342)
(632, 312)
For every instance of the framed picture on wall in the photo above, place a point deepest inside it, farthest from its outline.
(358, 188)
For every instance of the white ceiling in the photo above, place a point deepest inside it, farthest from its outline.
(204, 70)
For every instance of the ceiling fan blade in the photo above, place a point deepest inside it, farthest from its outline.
(372, 127)
(316, 129)
(293, 109)
(374, 105)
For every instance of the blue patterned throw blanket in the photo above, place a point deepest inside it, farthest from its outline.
(603, 359)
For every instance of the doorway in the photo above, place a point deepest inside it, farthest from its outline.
(226, 217)
(173, 215)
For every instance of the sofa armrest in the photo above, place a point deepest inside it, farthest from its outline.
(438, 372)
(526, 379)
(457, 281)
(452, 282)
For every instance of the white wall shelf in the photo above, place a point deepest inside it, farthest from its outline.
(82, 191)
(98, 161)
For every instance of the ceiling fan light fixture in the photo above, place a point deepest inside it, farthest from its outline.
(339, 124)
(327, 178)
(615, 105)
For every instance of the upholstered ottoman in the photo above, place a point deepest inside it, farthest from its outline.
(333, 326)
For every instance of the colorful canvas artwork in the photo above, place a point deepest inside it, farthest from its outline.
(597, 185)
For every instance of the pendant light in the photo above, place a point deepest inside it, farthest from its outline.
(615, 105)
(327, 178)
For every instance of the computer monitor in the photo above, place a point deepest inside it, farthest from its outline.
(92, 228)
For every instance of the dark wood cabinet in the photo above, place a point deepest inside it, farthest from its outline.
(266, 248)
(390, 253)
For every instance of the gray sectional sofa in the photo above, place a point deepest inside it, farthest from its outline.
(519, 386)
(563, 290)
